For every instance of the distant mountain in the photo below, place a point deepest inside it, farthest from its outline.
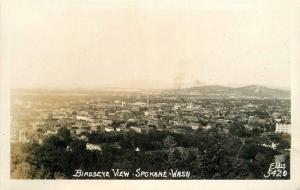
(200, 89)
(260, 91)
(250, 91)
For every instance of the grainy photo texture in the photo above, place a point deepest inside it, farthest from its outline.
(148, 92)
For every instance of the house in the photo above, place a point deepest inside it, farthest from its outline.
(109, 129)
(283, 128)
(137, 129)
(51, 132)
(273, 145)
(194, 126)
(90, 146)
(206, 127)
(84, 118)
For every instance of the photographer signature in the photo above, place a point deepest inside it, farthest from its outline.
(276, 169)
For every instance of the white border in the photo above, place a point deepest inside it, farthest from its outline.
(293, 183)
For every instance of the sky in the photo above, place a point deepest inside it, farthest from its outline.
(71, 44)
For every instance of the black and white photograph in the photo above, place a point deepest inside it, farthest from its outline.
(139, 91)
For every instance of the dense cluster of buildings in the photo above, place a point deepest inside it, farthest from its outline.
(36, 119)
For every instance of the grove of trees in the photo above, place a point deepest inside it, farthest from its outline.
(207, 154)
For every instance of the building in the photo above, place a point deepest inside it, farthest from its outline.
(137, 129)
(283, 128)
(84, 118)
(109, 129)
(22, 136)
(206, 127)
(194, 126)
(273, 145)
(90, 146)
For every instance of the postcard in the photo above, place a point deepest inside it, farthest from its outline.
(149, 94)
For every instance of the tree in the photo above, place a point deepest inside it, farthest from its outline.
(249, 151)
(169, 142)
(65, 134)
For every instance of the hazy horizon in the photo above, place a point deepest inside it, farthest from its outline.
(87, 45)
(123, 88)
